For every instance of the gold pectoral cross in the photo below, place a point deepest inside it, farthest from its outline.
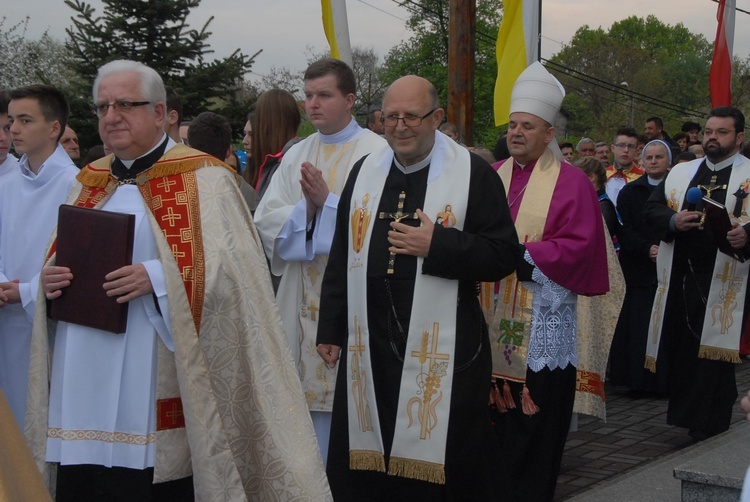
(712, 187)
(397, 217)
(709, 191)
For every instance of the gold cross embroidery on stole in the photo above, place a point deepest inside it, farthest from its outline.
(429, 381)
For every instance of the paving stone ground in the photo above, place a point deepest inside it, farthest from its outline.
(636, 433)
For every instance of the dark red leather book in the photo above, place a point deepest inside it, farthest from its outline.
(718, 218)
(92, 243)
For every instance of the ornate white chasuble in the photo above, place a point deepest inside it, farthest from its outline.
(421, 429)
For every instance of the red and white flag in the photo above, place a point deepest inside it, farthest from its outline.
(720, 78)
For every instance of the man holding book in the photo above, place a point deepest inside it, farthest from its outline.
(164, 410)
(699, 307)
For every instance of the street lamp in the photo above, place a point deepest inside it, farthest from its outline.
(632, 103)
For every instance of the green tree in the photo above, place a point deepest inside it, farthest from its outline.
(156, 32)
(25, 62)
(367, 73)
(426, 54)
(741, 85)
(665, 66)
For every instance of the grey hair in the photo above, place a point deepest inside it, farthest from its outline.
(583, 142)
(152, 85)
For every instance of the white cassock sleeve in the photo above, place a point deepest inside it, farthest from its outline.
(292, 243)
(160, 321)
(28, 291)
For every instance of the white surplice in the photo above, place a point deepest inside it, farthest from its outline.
(28, 214)
(8, 166)
(102, 392)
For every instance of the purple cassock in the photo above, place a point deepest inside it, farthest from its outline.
(572, 251)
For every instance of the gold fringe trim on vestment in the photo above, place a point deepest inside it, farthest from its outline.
(719, 354)
(96, 178)
(650, 364)
(366, 460)
(166, 168)
(417, 469)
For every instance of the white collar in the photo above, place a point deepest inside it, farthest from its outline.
(414, 167)
(343, 136)
(720, 165)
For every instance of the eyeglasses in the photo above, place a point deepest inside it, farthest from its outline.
(625, 146)
(120, 106)
(409, 120)
(719, 132)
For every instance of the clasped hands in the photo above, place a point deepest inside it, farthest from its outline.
(126, 283)
(314, 188)
(9, 293)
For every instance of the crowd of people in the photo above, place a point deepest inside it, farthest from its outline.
(366, 313)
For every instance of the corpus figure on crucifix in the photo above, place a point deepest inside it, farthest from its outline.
(402, 291)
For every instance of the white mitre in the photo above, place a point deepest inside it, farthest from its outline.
(537, 92)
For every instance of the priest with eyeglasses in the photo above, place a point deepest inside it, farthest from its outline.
(179, 405)
(420, 223)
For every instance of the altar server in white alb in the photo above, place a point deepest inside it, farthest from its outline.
(7, 161)
(30, 194)
(296, 219)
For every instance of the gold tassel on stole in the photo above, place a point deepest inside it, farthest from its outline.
(366, 460)
(417, 469)
(719, 354)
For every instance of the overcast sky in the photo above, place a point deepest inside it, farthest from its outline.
(284, 29)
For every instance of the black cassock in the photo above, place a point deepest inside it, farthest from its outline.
(628, 351)
(486, 250)
(701, 391)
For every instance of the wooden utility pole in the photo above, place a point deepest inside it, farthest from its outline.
(462, 21)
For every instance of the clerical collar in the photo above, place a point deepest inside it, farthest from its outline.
(343, 136)
(530, 164)
(720, 165)
(653, 182)
(414, 167)
(129, 169)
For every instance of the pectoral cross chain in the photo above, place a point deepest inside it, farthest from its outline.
(397, 217)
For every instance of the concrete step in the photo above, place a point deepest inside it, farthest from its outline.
(712, 470)
(718, 472)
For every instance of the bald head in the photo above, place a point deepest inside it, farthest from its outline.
(414, 84)
(412, 103)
